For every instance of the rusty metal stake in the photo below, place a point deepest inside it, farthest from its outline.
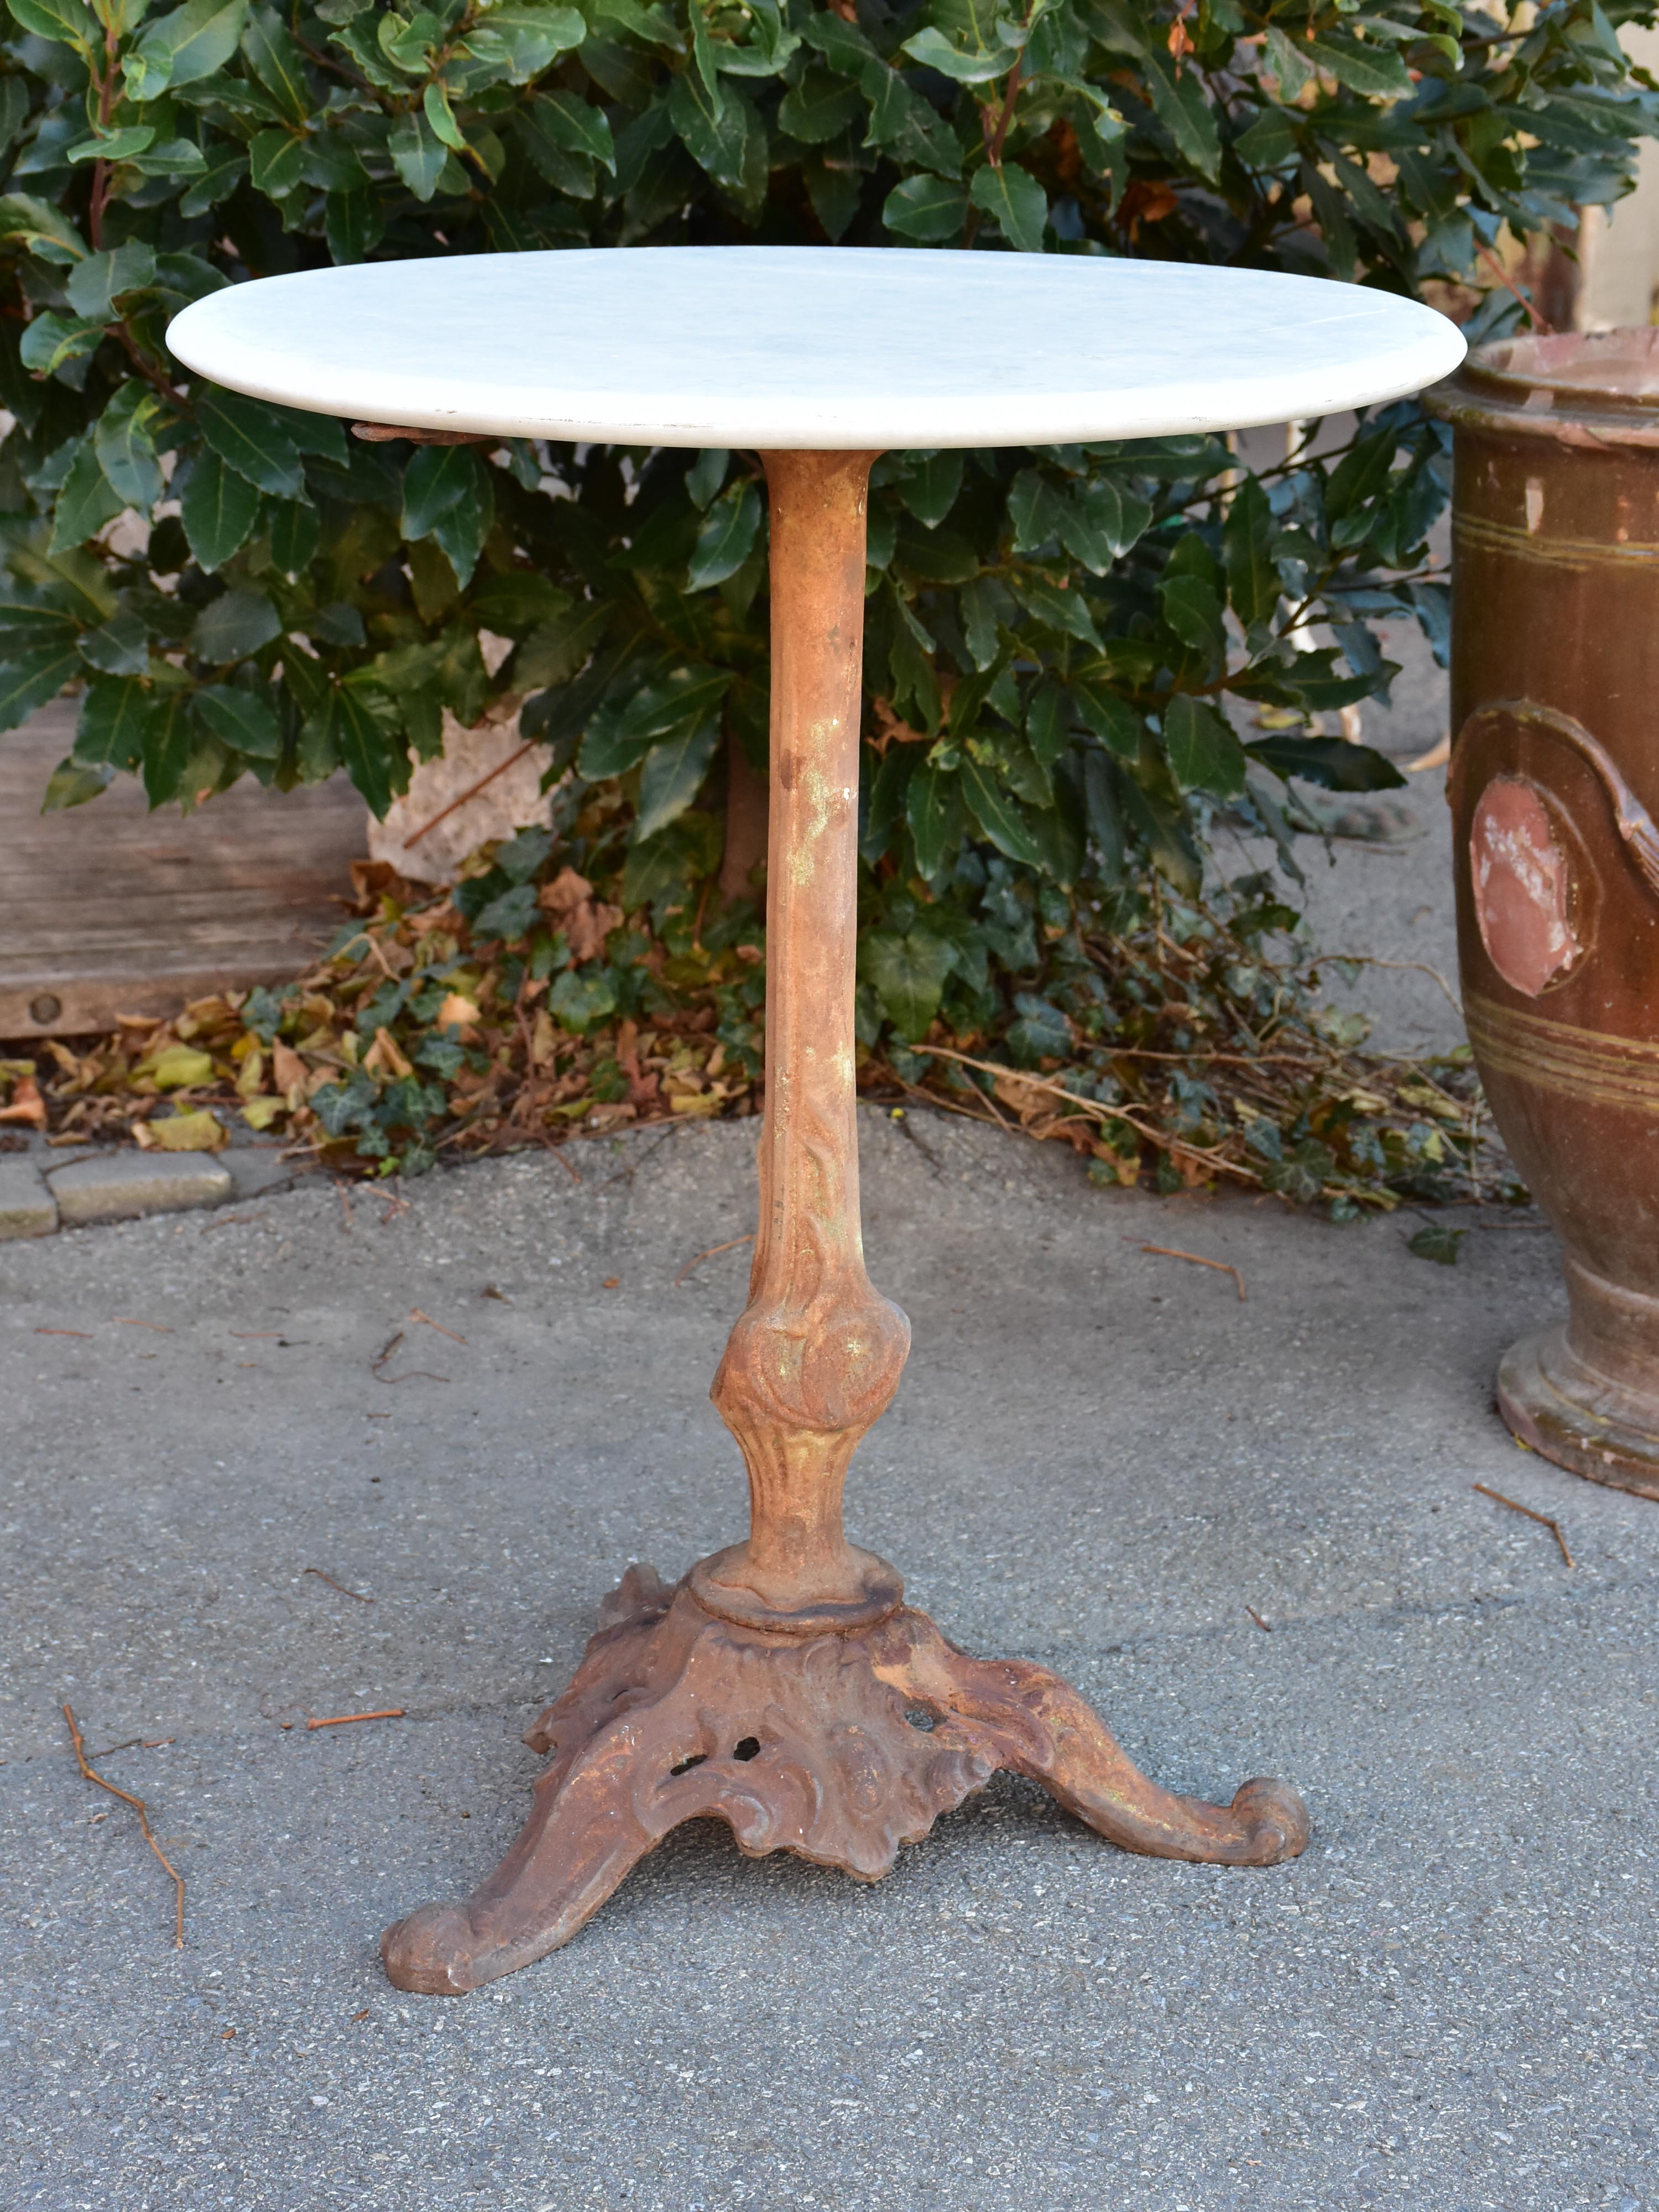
(784, 1687)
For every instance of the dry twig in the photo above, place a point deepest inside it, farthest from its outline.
(137, 1805)
(416, 1315)
(1098, 1108)
(471, 792)
(1221, 1266)
(411, 1374)
(1416, 967)
(731, 1245)
(344, 1720)
(362, 1597)
(1515, 1506)
(1266, 1626)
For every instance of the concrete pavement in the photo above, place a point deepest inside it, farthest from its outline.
(1099, 1458)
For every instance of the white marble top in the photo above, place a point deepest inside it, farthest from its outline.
(816, 347)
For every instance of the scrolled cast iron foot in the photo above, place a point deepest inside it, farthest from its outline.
(838, 1748)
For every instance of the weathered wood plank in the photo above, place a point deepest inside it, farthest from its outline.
(109, 909)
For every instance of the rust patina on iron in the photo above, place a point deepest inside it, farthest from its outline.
(783, 1686)
(1555, 668)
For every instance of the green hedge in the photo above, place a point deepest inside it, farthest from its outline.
(1054, 637)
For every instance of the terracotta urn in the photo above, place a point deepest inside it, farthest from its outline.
(1555, 762)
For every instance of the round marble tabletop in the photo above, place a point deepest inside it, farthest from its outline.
(830, 348)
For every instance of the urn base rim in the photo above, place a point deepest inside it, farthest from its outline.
(1564, 1408)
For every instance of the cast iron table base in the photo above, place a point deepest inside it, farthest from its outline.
(838, 1747)
(784, 1687)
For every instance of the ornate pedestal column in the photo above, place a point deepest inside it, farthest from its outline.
(783, 1686)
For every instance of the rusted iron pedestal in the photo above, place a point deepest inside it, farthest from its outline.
(784, 1687)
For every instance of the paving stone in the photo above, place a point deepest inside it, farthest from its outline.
(117, 1186)
(26, 1206)
(256, 1169)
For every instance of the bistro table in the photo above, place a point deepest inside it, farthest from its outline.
(783, 1685)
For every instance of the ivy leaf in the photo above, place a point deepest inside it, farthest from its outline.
(1013, 198)
(926, 207)
(726, 537)
(674, 772)
(581, 997)
(1437, 1243)
(248, 438)
(1203, 752)
(1042, 1031)
(217, 506)
(909, 974)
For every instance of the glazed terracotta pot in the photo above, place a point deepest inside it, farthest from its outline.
(1555, 760)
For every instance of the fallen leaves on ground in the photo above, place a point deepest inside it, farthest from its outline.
(499, 1015)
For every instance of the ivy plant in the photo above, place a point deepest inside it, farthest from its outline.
(1073, 654)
